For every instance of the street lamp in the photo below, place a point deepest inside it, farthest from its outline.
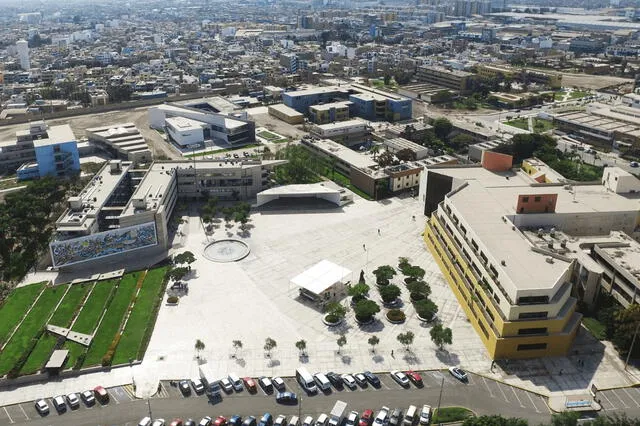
(633, 341)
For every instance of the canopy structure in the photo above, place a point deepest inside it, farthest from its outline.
(325, 191)
(323, 281)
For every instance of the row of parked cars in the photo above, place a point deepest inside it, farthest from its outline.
(384, 417)
(72, 400)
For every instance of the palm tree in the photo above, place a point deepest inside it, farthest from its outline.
(375, 149)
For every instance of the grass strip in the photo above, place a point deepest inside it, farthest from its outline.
(15, 306)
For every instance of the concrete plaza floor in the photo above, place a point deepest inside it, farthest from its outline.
(253, 299)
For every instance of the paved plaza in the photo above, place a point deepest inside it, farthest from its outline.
(253, 299)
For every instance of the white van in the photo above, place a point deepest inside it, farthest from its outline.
(294, 421)
(146, 421)
(235, 382)
(322, 381)
(410, 416)
(306, 380)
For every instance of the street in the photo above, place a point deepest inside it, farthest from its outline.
(483, 396)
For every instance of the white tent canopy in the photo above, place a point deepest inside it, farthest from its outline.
(321, 277)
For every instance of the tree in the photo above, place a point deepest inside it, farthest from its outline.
(387, 79)
(566, 418)
(301, 345)
(406, 155)
(199, 346)
(185, 257)
(461, 141)
(342, 340)
(493, 421)
(386, 159)
(626, 322)
(403, 264)
(419, 290)
(383, 274)
(442, 127)
(441, 97)
(373, 341)
(375, 149)
(237, 345)
(441, 336)
(426, 309)
(178, 273)
(413, 273)
(336, 311)
(389, 293)
(366, 309)
(406, 339)
(301, 166)
(358, 292)
(269, 345)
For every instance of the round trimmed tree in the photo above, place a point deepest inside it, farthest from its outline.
(365, 310)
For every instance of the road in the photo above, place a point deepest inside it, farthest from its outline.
(482, 395)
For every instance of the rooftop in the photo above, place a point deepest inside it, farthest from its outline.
(56, 135)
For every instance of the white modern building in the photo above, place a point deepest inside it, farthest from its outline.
(23, 54)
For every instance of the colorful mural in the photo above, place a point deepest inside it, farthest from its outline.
(103, 244)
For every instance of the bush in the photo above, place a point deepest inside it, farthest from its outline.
(396, 315)
(172, 299)
(366, 309)
(384, 274)
(426, 309)
(389, 293)
(106, 360)
(332, 319)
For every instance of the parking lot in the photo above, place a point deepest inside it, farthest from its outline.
(626, 399)
(388, 393)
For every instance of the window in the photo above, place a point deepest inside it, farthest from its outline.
(532, 347)
(533, 315)
(537, 199)
(474, 244)
(464, 230)
(533, 300)
(528, 331)
(525, 199)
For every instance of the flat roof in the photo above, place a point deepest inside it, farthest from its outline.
(341, 124)
(322, 276)
(325, 107)
(402, 143)
(184, 123)
(56, 135)
(349, 156)
(316, 91)
(57, 359)
(288, 111)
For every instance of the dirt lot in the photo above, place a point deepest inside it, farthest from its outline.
(596, 82)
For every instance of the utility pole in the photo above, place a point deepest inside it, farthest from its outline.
(300, 407)
(149, 405)
(440, 397)
(633, 341)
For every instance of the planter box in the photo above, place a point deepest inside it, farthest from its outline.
(394, 321)
(330, 324)
(365, 323)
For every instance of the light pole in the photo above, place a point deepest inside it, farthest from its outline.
(440, 397)
(633, 341)
(149, 405)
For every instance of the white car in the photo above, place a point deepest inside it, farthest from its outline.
(158, 422)
(42, 407)
(59, 403)
(278, 383)
(400, 377)
(425, 415)
(458, 373)
(280, 421)
(352, 419)
(88, 397)
(349, 380)
(206, 421)
(308, 421)
(73, 400)
(197, 384)
(226, 385)
(381, 418)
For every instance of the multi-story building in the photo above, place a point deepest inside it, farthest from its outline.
(328, 113)
(124, 210)
(513, 249)
(451, 79)
(301, 100)
(122, 141)
(349, 133)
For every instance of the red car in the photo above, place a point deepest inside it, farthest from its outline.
(414, 377)
(250, 384)
(176, 422)
(366, 418)
(101, 394)
(220, 421)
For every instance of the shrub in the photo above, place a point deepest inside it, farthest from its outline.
(384, 274)
(80, 361)
(331, 318)
(419, 290)
(366, 309)
(426, 309)
(106, 360)
(172, 299)
(396, 315)
(389, 293)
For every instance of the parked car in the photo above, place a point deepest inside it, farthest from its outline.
(381, 417)
(458, 373)
(59, 404)
(190, 422)
(220, 421)
(145, 421)
(205, 421)
(198, 386)
(101, 394)
(250, 384)
(335, 380)
(425, 415)
(235, 382)
(158, 422)
(88, 398)
(226, 385)
(366, 418)
(249, 421)
(308, 421)
(235, 420)
(42, 407)
(322, 420)
(349, 380)
(634, 164)
(176, 422)
(266, 420)
(286, 398)
(278, 383)
(396, 417)
(372, 378)
(360, 379)
(73, 400)
(400, 377)
(414, 377)
(184, 387)
(352, 419)
(281, 420)
(265, 384)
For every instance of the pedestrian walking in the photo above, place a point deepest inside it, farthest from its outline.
(378, 231)
(391, 352)
(364, 247)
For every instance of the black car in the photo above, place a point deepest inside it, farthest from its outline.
(265, 384)
(185, 388)
(372, 378)
(286, 398)
(335, 380)
(190, 422)
(249, 421)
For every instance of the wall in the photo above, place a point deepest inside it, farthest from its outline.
(536, 203)
(496, 162)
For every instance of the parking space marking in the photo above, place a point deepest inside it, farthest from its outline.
(502, 390)
(488, 388)
(112, 395)
(10, 419)
(516, 395)
(631, 397)
(23, 412)
(532, 403)
(613, 407)
(621, 400)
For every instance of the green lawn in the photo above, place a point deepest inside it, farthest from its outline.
(141, 317)
(268, 135)
(218, 151)
(578, 94)
(92, 310)
(113, 318)
(541, 126)
(595, 327)
(33, 323)
(62, 317)
(450, 414)
(520, 123)
(15, 306)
